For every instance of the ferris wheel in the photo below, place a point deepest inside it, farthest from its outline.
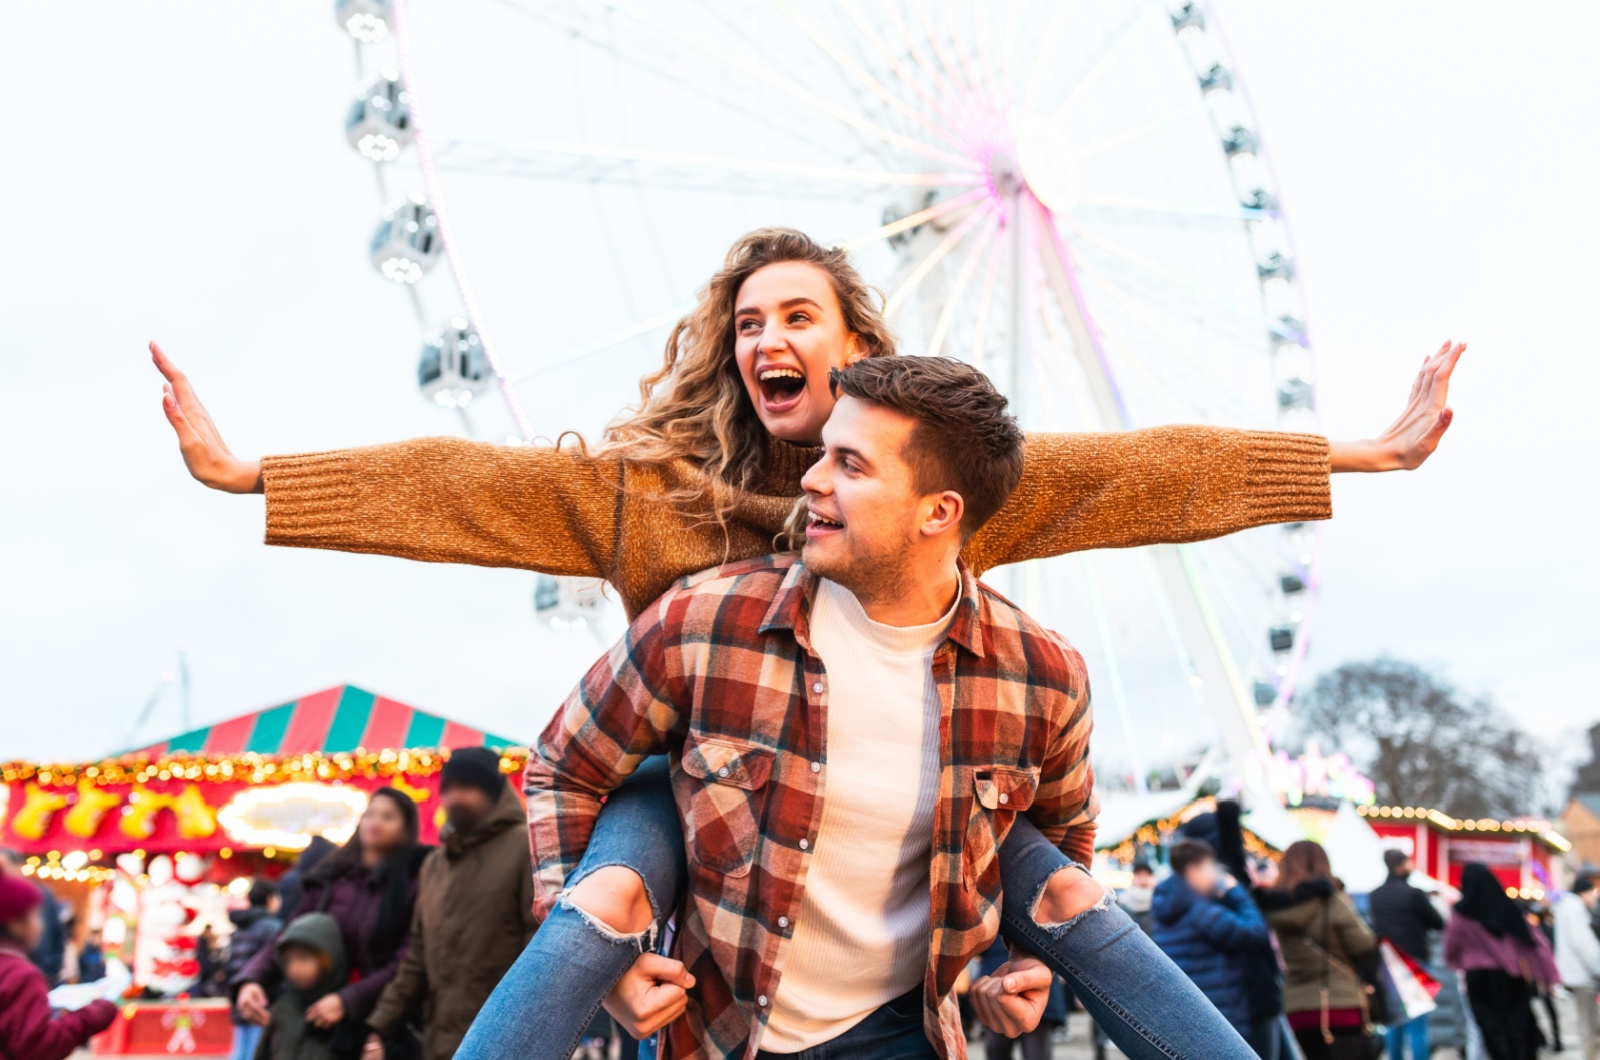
(1072, 196)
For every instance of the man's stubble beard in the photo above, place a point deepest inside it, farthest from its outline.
(870, 577)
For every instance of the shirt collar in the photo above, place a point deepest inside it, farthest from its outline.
(791, 608)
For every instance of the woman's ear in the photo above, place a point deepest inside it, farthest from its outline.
(855, 351)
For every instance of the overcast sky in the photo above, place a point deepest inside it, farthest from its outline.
(177, 171)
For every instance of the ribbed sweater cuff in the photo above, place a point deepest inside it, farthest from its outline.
(1288, 478)
(309, 497)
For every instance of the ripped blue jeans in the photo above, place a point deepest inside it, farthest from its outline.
(1148, 1007)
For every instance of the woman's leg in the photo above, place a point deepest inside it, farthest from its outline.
(1147, 1006)
(542, 1006)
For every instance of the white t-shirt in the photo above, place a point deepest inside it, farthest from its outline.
(861, 936)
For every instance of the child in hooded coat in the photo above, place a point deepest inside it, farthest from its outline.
(311, 953)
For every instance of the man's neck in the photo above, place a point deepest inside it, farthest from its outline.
(914, 602)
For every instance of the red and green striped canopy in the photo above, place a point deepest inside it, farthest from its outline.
(332, 721)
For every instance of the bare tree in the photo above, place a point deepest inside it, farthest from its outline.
(1423, 742)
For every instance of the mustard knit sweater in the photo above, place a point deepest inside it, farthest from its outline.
(446, 500)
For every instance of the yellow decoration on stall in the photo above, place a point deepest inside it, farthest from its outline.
(196, 820)
(83, 820)
(418, 795)
(38, 806)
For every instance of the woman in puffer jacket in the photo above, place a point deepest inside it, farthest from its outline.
(1321, 936)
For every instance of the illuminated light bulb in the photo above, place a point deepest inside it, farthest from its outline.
(367, 21)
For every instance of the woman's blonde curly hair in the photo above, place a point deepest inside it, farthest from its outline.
(695, 406)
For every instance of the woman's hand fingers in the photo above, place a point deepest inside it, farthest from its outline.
(204, 453)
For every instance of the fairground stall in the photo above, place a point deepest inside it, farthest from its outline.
(1524, 853)
(152, 848)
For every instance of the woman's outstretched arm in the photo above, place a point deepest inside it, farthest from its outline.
(1169, 485)
(444, 500)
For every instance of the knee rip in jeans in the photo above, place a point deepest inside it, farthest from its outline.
(641, 941)
(1058, 928)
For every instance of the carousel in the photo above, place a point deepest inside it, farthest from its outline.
(150, 850)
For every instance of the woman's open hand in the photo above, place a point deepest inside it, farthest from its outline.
(1413, 437)
(204, 451)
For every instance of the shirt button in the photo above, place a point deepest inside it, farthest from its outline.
(1004, 798)
(783, 921)
(805, 844)
(724, 772)
(817, 688)
(816, 767)
(762, 1001)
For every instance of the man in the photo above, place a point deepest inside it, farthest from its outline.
(851, 734)
(1208, 924)
(474, 912)
(1136, 897)
(1578, 957)
(51, 953)
(254, 928)
(1404, 915)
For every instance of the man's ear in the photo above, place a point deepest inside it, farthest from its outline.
(944, 513)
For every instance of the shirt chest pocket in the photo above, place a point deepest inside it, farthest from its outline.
(726, 797)
(999, 793)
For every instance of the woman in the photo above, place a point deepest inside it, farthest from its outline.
(28, 1029)
(368, 886)
(708, 469)
(1504, 961)
(1321, 936)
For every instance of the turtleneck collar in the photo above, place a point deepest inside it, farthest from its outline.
(785, 464)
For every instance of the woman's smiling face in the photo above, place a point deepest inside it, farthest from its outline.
(789, 332)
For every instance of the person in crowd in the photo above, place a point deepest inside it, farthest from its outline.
(1405, 915)
(209, 955)
(1541, 920)
(291, 885)
(1321, 937)
(369, 887)
(1259, 975)
(707, 469)
(1037, 1044)
(91, 959)
(28, 1029)
(310, 955)
(1503, 959)
(803, 698)
(1206, 922)
(474, 912)
(50, 954)
(254, 929)
(1136, 897)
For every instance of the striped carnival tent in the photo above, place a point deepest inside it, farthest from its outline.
(333, 721)
(263, 781)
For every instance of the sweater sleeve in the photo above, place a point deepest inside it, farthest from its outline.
(447, 500)
(1154, 486)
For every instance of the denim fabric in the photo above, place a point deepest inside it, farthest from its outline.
(246, 1036)
(1149, 1008)
(1416, 1032)
(545, 1002)
(893, 1032)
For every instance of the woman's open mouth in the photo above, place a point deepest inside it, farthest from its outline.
(782, 386)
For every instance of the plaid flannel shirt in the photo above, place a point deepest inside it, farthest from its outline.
(720, 674)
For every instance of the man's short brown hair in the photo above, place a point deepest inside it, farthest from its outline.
(964, 439)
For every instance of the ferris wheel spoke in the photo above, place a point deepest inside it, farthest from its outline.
(1224, 213)
(1176, 410)
(991, 273)
(1087, 347)
(653, 56)
(1113, 671)
(923, 216)
(934, 256)
(757, 72)
(963, 275)
(1142, 314)
(874, 38)
(605, 342)
(585, 162)
(1247, 629)
(939, 80)
(807, 25)
(1104, 62)
(955, 65)
(1148, 128)
(1030, 86)
(1277, 327)
(980, 47)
